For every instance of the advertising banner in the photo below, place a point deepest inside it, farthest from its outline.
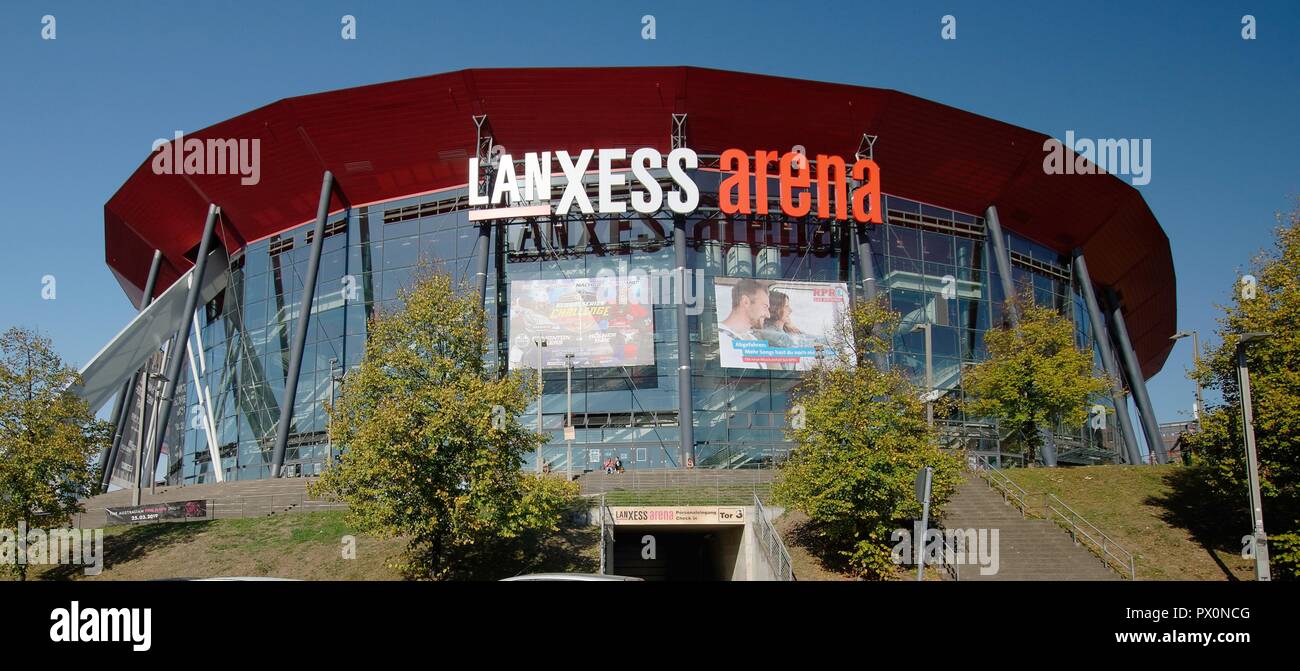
(648, 515)
(777, 324)
(143, 415)
(154, 512)
(603, 321)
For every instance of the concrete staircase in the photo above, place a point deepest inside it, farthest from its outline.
(247, 498)
(1029, 549)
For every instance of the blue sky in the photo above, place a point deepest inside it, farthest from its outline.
(81, 111)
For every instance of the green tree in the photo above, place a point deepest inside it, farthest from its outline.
(1035, 378)
(432, 449)
(48, 437)
(1219, 448)
(860, 437)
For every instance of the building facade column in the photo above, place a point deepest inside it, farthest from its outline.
(993, 228)
(685, 411)
(288, 401)
(173, 371)
(127, 397)
(483, 183)
(1136, 383)
(1101, 337)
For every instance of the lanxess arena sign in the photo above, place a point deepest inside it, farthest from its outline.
(531, 194)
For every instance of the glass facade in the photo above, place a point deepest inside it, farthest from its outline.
(630, 412)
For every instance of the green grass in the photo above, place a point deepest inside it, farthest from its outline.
(304, 546)
(1159, 513)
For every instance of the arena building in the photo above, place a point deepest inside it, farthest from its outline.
(669, 244)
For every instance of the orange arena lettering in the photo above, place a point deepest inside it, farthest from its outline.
(796, 184)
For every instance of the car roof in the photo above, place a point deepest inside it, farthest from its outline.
(580, 577)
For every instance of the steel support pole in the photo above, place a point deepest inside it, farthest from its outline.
(174, 360)
(110, 450)
(148, 422)
(288, 401)
(329, 420)
(568, 393)
(870, 286)
(1262, 571)
(121, 410)
(128, 390)
(1196, 361)
(1003, 259)
(1099, 334)
(1137, 384)
(482, 245)
(156, 453)
(685, 413)
(142, 441)
(927, 474)
(197, 370)
(482, 183)
(866, 263)
(538, 344)
(929, 375)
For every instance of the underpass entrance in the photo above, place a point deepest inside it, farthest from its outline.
(662, 553)
(691, 543)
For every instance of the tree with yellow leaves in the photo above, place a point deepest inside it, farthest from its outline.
(48, 439)
(432, 449)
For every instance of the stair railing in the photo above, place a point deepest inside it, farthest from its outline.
(1052, 508)
(1000, 482)
(952, 546)
(769, 542)
(1111, 553)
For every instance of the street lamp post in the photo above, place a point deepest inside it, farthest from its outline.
(929, 372)
(539, 343)
(1196, 361)
(335, 377)
(1252, 467)
(568, 431)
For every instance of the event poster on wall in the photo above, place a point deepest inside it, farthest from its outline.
(777, 324)
(603, 321)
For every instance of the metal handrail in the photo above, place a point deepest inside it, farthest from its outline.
(1109, 549)
(999, 480)
(769, 541)
(1105, 547)
(950, 549)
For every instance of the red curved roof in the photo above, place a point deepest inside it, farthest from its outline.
(390, 140)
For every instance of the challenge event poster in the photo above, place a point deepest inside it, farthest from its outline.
(602, 321)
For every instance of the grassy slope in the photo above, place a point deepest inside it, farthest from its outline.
(305, 546)
(1158, 513)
